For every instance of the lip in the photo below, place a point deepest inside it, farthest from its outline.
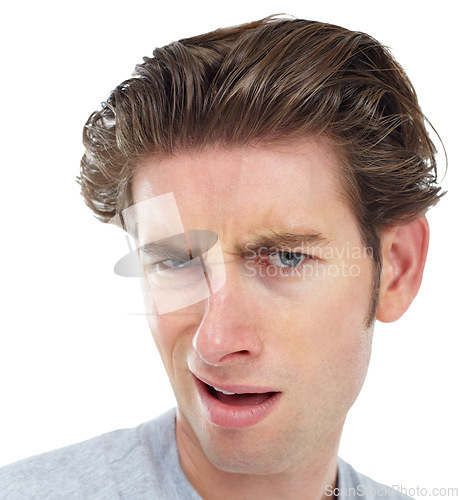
(232, 416)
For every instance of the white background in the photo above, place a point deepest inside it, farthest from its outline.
(74, 360)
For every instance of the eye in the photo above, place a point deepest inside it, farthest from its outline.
(286, 259)
(175, 264)
(175, 267)
(171, 267)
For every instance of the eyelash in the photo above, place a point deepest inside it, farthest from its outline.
(161, 266)
(286, 270)
(262, 259)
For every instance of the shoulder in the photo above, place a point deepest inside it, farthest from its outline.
(353, 485)
(119, 464)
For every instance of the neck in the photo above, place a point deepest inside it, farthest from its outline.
(307, 479)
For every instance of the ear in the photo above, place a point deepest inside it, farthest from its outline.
(404, 252)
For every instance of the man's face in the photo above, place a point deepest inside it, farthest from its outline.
(289, 327)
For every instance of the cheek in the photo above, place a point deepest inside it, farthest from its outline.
(329, 342)
(172, 332)
(163, 328)
(344, 338)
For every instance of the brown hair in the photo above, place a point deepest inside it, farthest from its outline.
(267, 80)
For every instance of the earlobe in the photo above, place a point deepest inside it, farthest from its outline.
(404, 252)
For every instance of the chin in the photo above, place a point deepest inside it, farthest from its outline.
(256, 450)
(259, 462)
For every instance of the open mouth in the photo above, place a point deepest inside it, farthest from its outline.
(235, 399)
(236, 406)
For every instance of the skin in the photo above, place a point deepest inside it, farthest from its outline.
(305, 336)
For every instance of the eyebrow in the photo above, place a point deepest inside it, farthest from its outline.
(273, 240)
(178, 246)
(175, 246)
(182, 246)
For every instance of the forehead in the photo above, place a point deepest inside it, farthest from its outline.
(239, 191)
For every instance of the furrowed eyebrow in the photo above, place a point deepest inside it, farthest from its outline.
(171, 249)
(178, 247)
(267, 243)
(191, 244)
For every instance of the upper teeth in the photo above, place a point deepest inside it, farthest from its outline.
(225, 392)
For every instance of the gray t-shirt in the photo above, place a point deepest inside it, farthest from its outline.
(134, 464)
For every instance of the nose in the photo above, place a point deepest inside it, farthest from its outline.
(229, 330)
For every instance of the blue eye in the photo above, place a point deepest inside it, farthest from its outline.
(173, 266)
(286, 259)
(176, 264)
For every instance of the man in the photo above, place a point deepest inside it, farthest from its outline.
(274, 177)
